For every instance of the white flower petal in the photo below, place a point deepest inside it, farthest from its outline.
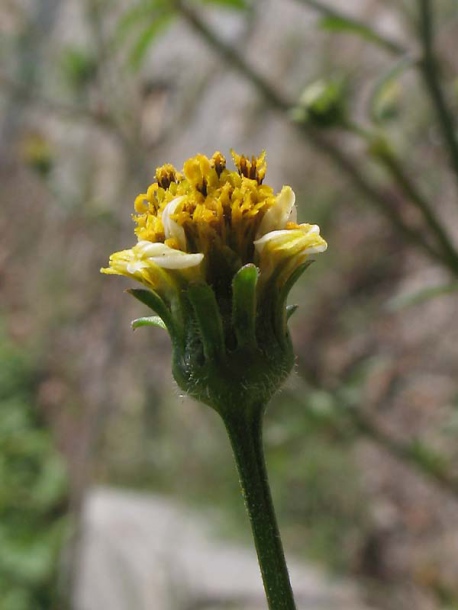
(291, 238)
(280, 213)
(278, 236)
(171, 227)
(164, 256)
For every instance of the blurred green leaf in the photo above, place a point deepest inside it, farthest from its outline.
(384, 103)
(416, 298)
(233, 4)
(334, 23)
(428, 458)
(323, 104)
(79, 67)
(143, 22)
(33, 491)
(146, 38)
(140, 13)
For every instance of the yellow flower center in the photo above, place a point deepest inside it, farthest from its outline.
(207, 208)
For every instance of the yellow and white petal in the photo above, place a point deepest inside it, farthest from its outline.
(146, 257)
(171, 228)
(290, 246)
(146, 253)
(306, 239)
(283, 211)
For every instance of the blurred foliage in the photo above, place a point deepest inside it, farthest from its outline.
(145, 20)
(33, 492)
(79, 67)
(322, 104)
(352, 307)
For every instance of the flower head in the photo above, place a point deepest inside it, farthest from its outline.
(218, 252)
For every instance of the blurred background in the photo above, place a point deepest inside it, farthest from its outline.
(355, 104)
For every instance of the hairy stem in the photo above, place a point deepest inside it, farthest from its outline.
(245, 433)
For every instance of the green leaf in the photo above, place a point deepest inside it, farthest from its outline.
(428, 458)
(232, 4)
(139, 15)
(336, 23)
(342, 24)
(153, 301)
(244, 305)
(143, 22)
(149, 321)
(384, 101)
(416, 298)
(146, 38)
(208, 319)
(281, 309)
(323, 103)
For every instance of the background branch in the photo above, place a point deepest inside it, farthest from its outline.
(341, 159)
(430, 71)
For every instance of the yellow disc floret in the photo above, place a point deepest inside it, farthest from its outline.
(230, 218)
(207, 207)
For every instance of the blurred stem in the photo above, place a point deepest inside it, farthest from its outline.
(410, 453)
(231, 55)
(340, 158)
(418, 456)
(244, 427)
(394, 167)
(381, 40)
(383, 154)
(430, 71)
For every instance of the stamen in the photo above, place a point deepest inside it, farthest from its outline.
(165, 175)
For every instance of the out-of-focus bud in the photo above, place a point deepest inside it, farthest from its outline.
(322, 104)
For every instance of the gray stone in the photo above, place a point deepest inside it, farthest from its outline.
(144, 552)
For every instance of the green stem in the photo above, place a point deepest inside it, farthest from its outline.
(245, 433)
(429, 70)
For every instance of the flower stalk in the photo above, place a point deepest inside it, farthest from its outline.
(217, 254)
(245, 433)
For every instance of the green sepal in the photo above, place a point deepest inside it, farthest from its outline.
(208, 318)
(244, 305)
(290, 309)
(153, 301)
(149, 321)
(280, 312)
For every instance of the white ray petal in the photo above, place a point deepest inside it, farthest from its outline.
(280, 213)
(171, 227)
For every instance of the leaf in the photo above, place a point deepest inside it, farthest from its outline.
(384, 101)
(139, 15)
(153, 301)
(244, 305)
(208, 317)
(143, 22)
(146, 38)
(149, 321)
(340, 23)
(416, 298)
(232, 4)
(428, 458)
